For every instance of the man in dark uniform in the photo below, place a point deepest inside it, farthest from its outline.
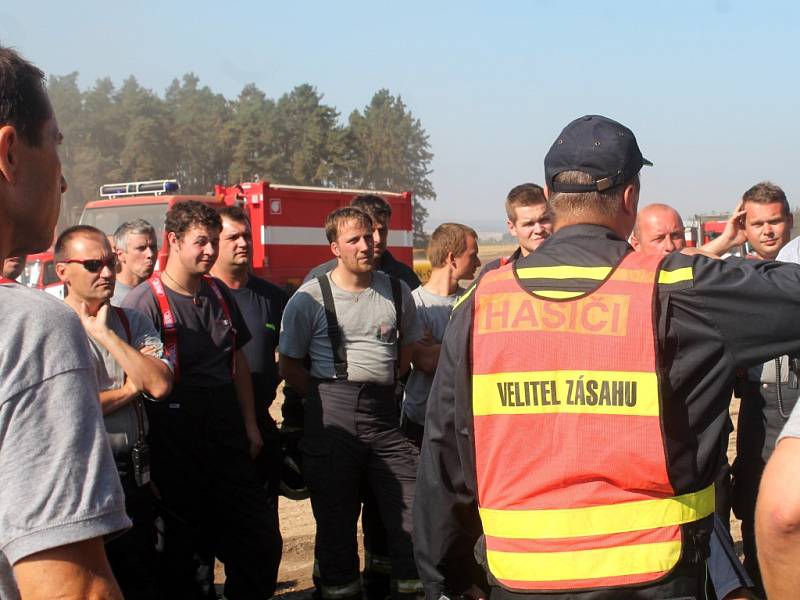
(204, 435)
(570, 533)
(767, 395)
(261, 304)
(376, 560)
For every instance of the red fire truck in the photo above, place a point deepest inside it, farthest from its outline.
(287, 221)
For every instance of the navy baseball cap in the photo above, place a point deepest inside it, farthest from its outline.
(596, 145)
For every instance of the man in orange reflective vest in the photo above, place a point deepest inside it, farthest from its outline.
(575, 421)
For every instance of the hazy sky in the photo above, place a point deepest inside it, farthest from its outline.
(708, 87)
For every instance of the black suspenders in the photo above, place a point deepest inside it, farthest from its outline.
(335, 332)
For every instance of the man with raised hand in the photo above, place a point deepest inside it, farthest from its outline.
(137, 250)
(126, 352)
(204, 436)
(59, 490)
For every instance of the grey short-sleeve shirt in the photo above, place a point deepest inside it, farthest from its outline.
(433, 313)
(368, 323)
(58, 481)
(122, 425)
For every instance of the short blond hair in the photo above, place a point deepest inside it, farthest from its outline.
(447, 238)
(525, 194)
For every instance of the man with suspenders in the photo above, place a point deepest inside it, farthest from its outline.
(204, 435)
(126, 351)
(357, 325)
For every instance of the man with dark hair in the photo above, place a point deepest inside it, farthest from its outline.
(59, 491)
(13, 266)
(767, 395)
(137, 249)
(357, 325)
(126, 352)
(453, 254)
(204, 435)
(529, 220)
(594, 461)
(261, 304)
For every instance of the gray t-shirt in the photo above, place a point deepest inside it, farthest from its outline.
(58, 482)
(792, 427)
(122, 425)
(368, 323)
(120, 291)
(433, 313)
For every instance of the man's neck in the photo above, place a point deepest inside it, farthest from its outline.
(349, 281)
(442, 282)
(235, 278)
(179, 280)
(128, 278)
(523, 252)
(74, 302)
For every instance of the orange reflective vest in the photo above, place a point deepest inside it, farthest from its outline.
(573, 487)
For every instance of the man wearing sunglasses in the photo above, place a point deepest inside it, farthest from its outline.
(59, 491)
(126, 352)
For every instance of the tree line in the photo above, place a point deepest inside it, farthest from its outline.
(201, 138)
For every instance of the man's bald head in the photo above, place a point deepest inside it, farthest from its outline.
(658, 230)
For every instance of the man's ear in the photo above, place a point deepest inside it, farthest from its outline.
(634, 242)
(335, 249)
(630, 200)
(61, 272)
(172, 240)
(9, 144)
(546, 191)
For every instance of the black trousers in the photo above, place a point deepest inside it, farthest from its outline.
(211, 497)
(132, 554)
(352, 440)
(760, 423)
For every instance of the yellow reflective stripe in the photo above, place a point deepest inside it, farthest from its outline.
(564, 272)
(548, 392)
(463, 297)
(676, 276)
(584, 564)
(409, 586)
(558, 294)
(598, 520)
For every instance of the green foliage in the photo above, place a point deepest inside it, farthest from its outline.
(201, 138)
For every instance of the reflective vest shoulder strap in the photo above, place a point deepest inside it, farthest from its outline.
(169, 332)
(334, 333)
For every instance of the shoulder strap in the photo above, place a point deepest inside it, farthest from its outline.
(225, 309)
(334, 333)
(126, 324)
(169, 332)
(397, 297)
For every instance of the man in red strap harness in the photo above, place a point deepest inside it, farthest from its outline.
(204, 436)
(126, 353)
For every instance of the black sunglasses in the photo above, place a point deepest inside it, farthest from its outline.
(94, 265)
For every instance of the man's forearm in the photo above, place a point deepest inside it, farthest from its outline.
(147, 373)
(113, 400)
(295, 374)
(78, 571)
(244, 390)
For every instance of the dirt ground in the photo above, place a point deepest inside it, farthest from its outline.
(297, 521)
